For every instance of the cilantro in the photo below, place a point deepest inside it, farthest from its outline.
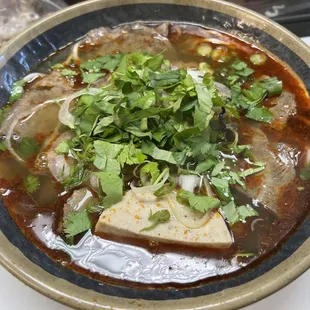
(199, 203)
(63, 147)
(203, 110)
(234, 214)
(110, 62)
(151, 149)
(221, 186)
(27, 147)
(218, 168)
(272, 85)
(260, 114)
(112, 187)
(131, 155)
(91, 77)
(31, 183)
(305, 173)
(165, 79)
(17, 90)
(149, 173)
(58, 66)
(68, 72)
(166, 188)
(76, 223)
(106, 153)
(77, 176)
(251, 171)
(158, 217)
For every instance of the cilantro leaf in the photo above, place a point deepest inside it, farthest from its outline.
(167, 78)
(251, 171)
(106, 153)
(260, 114)
(91, 77)
(131, 155)
(76, 223)
(77, 176)
(27, 147)
(199, 203)
(166, 188)
(17, 90)
(31, 183)
(234, 214)
(151, 149)
(58, 66)
(112, 187)
(203, 110)
(272, 85)
(149, 173)
(68, 72)
(221, 186)
(158, 217)
(63, 147)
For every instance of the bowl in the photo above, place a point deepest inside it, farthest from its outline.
(28, 263)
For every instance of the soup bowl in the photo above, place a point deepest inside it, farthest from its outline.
(32, 266)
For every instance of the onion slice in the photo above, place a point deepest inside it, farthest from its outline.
(189, 218)
(146, 193)
(64, 115)
(75, 54)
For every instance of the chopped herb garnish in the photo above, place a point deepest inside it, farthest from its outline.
(158, 217)
(17, 90)
(27, 147)
(234, 214)
(68, 72)
(197, 202)
(260, 114)
(31, 184)
(76, 223)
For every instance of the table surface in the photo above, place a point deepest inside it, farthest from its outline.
(293, 296)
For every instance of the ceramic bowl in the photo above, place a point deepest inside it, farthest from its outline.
(24, 260)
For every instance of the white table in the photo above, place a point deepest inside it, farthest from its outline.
(15, 295)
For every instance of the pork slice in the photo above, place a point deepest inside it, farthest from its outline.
(51, 86)
(128, 217)
(78, 201)
(58, 165)
(278, 173)
(284, 106)
(127, 39)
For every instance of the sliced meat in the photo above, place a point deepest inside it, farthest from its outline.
(127, 39)
(58, 165)
(128, 217)
(278, 173)
(51, 86)
(284, 106)
(78, 201)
